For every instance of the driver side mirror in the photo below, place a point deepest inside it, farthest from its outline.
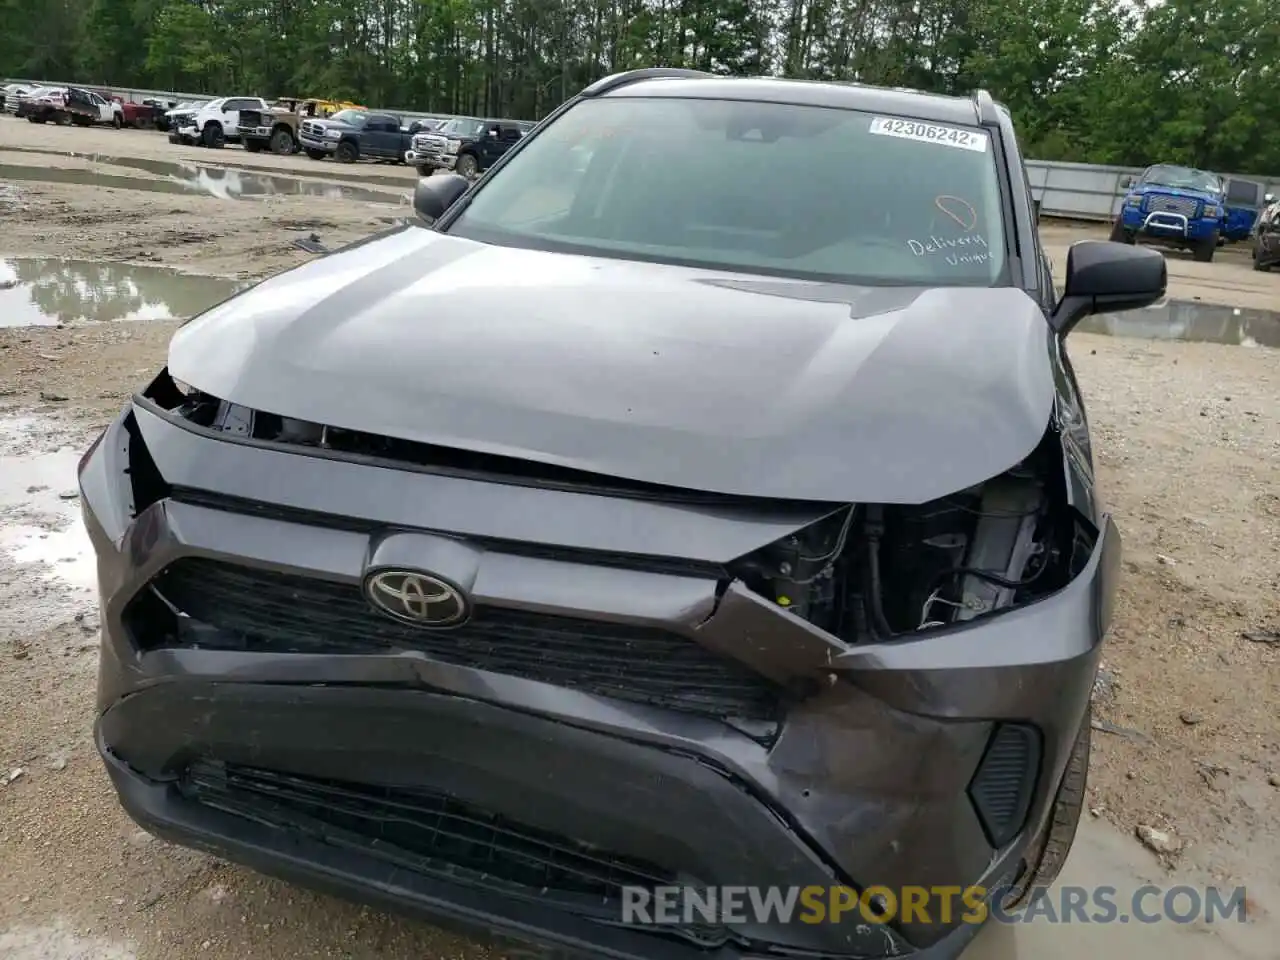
(1128, 182)
(434, 195)
(493, 132)
(1103, 276)
(1269, 198)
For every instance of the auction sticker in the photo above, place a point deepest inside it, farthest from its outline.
(930, 133)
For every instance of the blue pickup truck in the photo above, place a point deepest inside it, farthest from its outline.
(1174, 206)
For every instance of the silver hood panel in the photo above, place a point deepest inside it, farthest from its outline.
(700, 379)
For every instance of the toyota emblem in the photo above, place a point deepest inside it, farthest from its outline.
(416, 598)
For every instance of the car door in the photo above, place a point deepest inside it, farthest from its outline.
(231, 108)
(102, 106)
(508, 136)
(381, 136)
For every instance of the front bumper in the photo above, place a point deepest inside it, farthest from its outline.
(317, 143)
(437, 161)
(865, 781)
(1164, 225)
(254, 133)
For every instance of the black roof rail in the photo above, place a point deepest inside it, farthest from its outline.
(988, 116)
(615, 80)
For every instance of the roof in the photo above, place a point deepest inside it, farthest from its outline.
(848, 96)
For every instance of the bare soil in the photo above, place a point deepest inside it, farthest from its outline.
(1187, 438)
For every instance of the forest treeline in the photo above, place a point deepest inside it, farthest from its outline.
(1097, 81)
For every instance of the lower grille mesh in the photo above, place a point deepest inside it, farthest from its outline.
(434, 834)
(260, 610)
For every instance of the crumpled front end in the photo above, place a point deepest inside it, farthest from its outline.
(654, 687)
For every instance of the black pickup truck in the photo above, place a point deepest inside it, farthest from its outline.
(351, 135)
(469, 145)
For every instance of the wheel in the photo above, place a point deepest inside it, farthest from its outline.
(282, 142)
(468, 166)
(1119, 234)
(1259, 264)
(213, 137)
(1060, 832)
(253, 146)
(61, 118)
(1203, 250)
(347, 152)
(316, 154)
(424, 170)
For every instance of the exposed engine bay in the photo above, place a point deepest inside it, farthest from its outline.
(870, 572)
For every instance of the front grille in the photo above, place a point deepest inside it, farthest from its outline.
(1182, 206)
(313, 130)
(242, 608)
(433, 834)
(250, 118)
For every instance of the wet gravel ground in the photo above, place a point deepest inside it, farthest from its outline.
(1187, 437)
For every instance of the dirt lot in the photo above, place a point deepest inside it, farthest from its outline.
(1188, 442)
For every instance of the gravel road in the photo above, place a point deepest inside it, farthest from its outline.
(1188, 441)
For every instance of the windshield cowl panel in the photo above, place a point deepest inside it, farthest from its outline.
(778, 189)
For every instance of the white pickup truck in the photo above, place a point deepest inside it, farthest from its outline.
(216, 122)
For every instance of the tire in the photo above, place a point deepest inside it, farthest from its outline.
(62, 118)
(253, 146)
(1064, 819)
(347, 152)
(424, 170)
(1204, 250)
(282, 143)
(467, 166)
(316, 154)
(1119, 234)
(213, 137)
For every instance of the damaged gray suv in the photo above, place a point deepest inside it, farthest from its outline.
(702, 499)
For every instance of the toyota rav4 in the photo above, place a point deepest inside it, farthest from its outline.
(634, 525)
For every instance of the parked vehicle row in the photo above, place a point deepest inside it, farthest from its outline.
(277, 128)
(67, 105)
(1188, 209)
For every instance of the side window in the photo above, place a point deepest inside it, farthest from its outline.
(510, 134)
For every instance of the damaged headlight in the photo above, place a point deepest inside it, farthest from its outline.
(869, 572)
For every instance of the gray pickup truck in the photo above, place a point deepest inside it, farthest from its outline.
(351, 135)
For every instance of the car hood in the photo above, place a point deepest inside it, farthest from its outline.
(702, 379)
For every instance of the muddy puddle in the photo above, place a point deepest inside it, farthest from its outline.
(225, 183)
(45, 291)
(41, 527)
(1191, 321)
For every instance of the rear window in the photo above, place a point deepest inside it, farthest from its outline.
(808, 192)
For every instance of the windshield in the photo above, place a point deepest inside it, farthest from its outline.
(355, 118)
(1168, 175)
(806, 192)
(463, 127)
